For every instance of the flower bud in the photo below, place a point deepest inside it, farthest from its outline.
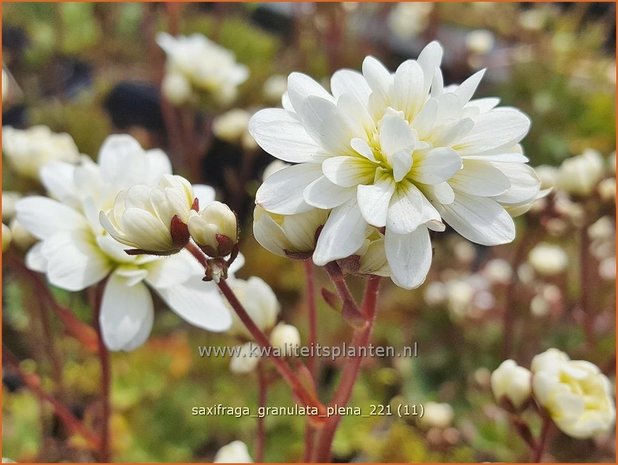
(548, 260)
(580, 174)
(290, 235)
(152, 219)
(176, 88)
(436, 415)
(234, 452)
(6, 237)
(260, 303)
(286, 338)
(20, 236)
(576, 395)
(607, 190)
(214, 229)
(511, 383)
(245, 361)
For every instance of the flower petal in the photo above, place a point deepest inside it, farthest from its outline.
(282, 136)
(501, 127)
(301, 86)
(523, 181)
(35, 260)
(409, 256)
(408, 88)
(396, 135)
(44, 217)
(479, 178)
(348, 171)
(342, 235)
(158, 165)
(57, 177)
(408, 209)
(436, 166)
(466, 89)
(74, 262)
(346, 81)
(204, 194)
(325, 123)
(126, 314)
(373, 200)
(324, 194)
(173, 270)
(479, 220)
(282, 191)
(198, 303)
(429, 59)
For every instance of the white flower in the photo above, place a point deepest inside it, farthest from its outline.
(396, 151)
(480, 41)
(548, 175)
(273, 167)
(259, 301)
(231, 125)
(214, 229)
(548, 259)
(607, 269)
(285, 337)
(234, 452)
(245, 361)
(575, 393)
(289, 235)
(607, 189)
(579, 175)
(27, 151)
(407, 20)
(436, 415)
(206, 65)
(512, 382)
(176, 88)
(274, 87)
(498, 271)
(6, 237)
(152, 219)
(435, 293)
(75, 251)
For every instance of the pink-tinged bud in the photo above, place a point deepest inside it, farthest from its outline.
(214, 229)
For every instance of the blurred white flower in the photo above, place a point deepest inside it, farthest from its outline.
(576, 395)
(480, 41)
(548, 259)
(234, 452)
(231, 125)
(602, 229)
(206, 65)
(436, 415)
(464, 252)
(9, 199)
(76, 252)
(435, 293)
(408, 19)
(289, 235)
(6, 237)
(579, 175)
(383, 151)
(607, 189)
(498, 271)
(460, 295)
(214, 229)
(27, 151)
(245, 361)
(286, 337)
(273, 167)
(274, 88)
(607, 269)
(259, 301)
(512, 382)
(533, 19)
(176, 88)
(152, 219)
(548, 175)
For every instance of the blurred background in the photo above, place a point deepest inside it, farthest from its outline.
(91, 69)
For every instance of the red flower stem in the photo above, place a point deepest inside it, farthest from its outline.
(106, 375)
(261, 420)
(300, 392)
(351, 370)
(32, 381)
(537, 456)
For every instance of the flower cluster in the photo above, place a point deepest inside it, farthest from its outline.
(75, 250)
(574, 393)
(387, 158)
(196, 63)
(27, 151)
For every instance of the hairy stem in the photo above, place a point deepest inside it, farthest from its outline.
(351, 370)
